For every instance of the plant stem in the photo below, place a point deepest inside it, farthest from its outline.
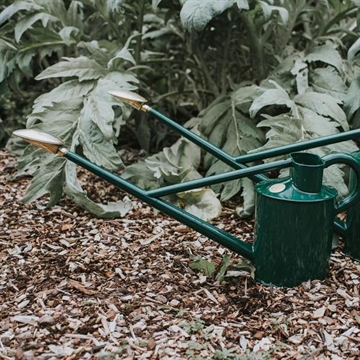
(139, 27)
(203, 66)
(256, 49)
(294, 12)
(225, 62)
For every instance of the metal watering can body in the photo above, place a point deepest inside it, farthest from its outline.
(294, 223)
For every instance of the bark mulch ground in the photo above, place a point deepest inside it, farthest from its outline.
(76, 287)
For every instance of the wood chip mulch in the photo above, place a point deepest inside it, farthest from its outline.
(76, 287)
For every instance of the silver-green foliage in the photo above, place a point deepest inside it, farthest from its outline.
(305, 97)
(81, 113)
(196, 14)
(79, 110)
(174, 165)
(311, 91)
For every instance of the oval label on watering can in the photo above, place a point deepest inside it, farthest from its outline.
(276, 188)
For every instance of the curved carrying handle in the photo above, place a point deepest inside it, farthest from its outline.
(354, 195)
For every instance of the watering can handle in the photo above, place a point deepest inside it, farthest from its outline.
(354, 196)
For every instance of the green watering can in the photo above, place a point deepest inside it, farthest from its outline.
(294, 217)
(294, 221)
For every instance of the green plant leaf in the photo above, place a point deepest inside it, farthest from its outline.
(27, 21)
(113, 5)
(140, 174)
(95, 52)
(64, 112)
(323, 104)
(325, 54)
(174, 163)
(353, 51)
(67, 91)
(73, 15)
(95, 147)
(270, 97)
(248, 194)
(225, 263)
(98, 105)
(196, 14)
(300, 70)
(78, 195)
(98, 109)
(18, 6)
(228, 129)
(7, 59)
(81, 67)
(123, 54)
(269, 9)
(202, 203)
(283, 129)
(213, 115)
(48, 179)
(205, 266)
(328, 81)
(171, 166)
(155, 3)
(55, 8)
(243, 4)
(352, 100)
(66, 33)
(246, 265)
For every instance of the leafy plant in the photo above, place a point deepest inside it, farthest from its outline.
(306, 96)
(256, 73)
(172, 166)
(306, 105)
(225, 269)
(78, 110)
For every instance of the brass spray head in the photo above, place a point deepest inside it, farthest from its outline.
(133, 99)
(41, 140)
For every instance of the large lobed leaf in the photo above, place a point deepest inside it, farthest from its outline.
(175, 165)
(81, 67)
(80, 113)
(47, 179)
(323, 104)
(227, 128)
(327, 55)
(196, 14)
(73, 189)
(16, 7)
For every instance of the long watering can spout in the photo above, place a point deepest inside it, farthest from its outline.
(50, 143)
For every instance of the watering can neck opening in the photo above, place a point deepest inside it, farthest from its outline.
(307, 172)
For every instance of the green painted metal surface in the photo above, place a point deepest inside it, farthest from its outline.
(352, 228)
(294, 222)
(292, 238)
(299, 146)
